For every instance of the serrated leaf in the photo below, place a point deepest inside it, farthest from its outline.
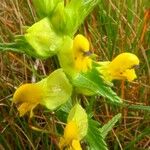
(94, 138)
(92, 81)
(108, 127)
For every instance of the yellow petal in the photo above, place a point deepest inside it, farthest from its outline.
(76, 145)
(123, 61)
(130, 74)
(62, 143)
(30, 93)
(80, 46)
(28, 96)
(80, 42)
(25, 107)
(71, 132)
(78, 116)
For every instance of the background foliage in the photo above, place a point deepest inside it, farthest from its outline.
(113, 27)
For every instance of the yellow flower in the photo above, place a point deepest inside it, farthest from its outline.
(74, 56)
(51, 92)
(71, 139)
(120, 68)
(28, 96)
(81, 53)
(75, 130)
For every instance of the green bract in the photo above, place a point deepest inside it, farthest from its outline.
(56, 89)
(43, 39)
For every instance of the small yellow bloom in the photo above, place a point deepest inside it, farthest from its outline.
(51, 92)
(74, 56)
(121, 68)
(75, 130)
(81, 53)
(28, 96)
(71, 139)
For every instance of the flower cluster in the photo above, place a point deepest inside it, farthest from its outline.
(56, 89)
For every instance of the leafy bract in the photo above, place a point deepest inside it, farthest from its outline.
(75, 129)
(76, 12)
(94, 83)
(40, 41)
(56, 89)
(65, 19)
(43, 39)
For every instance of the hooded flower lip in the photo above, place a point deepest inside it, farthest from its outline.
(71, 139)
(51, 92)
(81, 53)
(75, 56)
(28, 96)
(75, 129)
(122, 67)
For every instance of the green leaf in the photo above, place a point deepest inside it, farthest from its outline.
(137, 107)
(94, 138)
(108, 127)
(5, 47)
(79, 115)
(92, 81)
(20, 45)
(56, 89)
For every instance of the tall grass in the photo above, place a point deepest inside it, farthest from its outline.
(113, 27)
